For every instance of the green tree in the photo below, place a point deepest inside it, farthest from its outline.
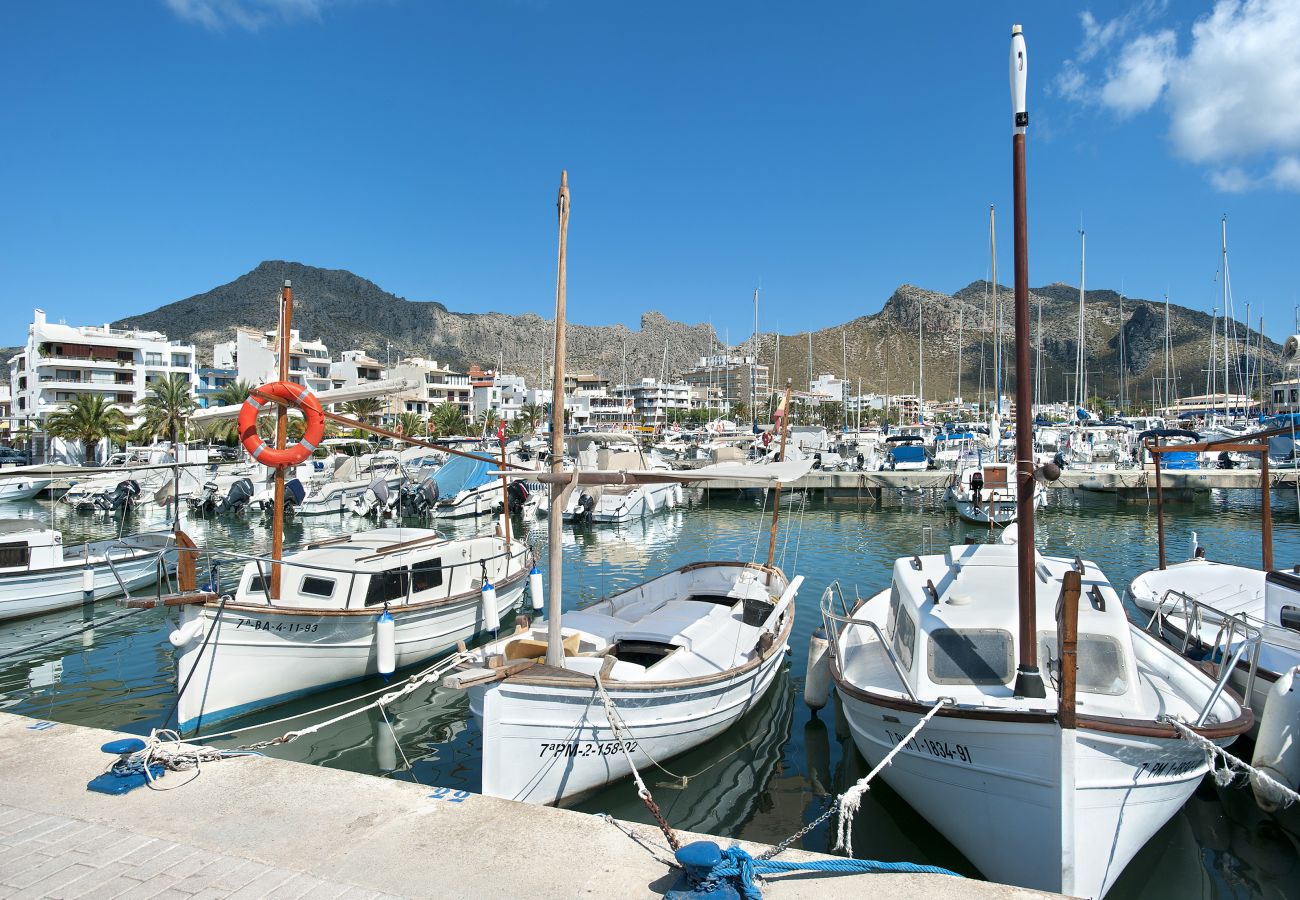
(365, 410)
(740, 411)
(167, 408)
(411, 424)
(448, 420)
(530, 415)
(488, 421)
(233, 394)
(89, 418)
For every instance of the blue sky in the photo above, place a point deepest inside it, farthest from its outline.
(156, 148)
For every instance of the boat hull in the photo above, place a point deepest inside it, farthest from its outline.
(257, 658)
(33, 593)
(550, 745)
(1075, 806)
(22, 488)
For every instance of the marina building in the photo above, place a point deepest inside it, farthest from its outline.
(59, 361)
(652, 400)
(1210, 404)
(439, 384)
(730, 379)
(503, 394)
(211, 381)
(255, 358)
(1284, 397)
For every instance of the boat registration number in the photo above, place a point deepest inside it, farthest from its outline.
(937, 749)
(587, 748)
(289, 627)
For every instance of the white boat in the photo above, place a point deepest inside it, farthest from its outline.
(465, 489)
(986, 494)
(38, 574)
(344, 480)
(1028, 801)
(249, 652)
(23, 487)
(616, 503)
(681, 657)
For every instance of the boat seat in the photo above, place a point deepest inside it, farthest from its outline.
(678, 622)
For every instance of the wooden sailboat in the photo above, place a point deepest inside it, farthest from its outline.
(1048, 757)
(571, 704)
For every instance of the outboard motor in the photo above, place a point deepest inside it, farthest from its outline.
(294, 493)
(817, 461)
(206, 499)
(237, 497)
(586, 504)
(861, 461)
(375, 499)
(1059, 459)
(124, 497)
(517, 493)
(418, 499)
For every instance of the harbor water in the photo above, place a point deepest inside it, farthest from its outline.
(780, 765)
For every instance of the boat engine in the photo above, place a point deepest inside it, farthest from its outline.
(517, 493)
(124, 497)
(206, 499)
(586, 504)
(374, 500)
(237, 497)
(294, 493)
(418, 499)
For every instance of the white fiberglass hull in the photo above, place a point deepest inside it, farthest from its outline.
(258, 658)
(547, 744)
(22, 488)
(613, 509)
(1024, 802)
(336, 497)
(479, 501)
(46, 590)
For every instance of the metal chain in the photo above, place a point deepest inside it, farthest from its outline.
(798, 835)
(669, 834)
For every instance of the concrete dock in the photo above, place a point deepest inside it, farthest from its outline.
(261, 827)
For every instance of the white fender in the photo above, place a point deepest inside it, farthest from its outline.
(386, 644)
(88, 582)
(187, 634)
(1276, 750)
(535, 589)
(817, 677)
(491, 615)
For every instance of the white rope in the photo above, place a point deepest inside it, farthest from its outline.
(1273, 789)
(622, 736)
(164, 747)
(851, 799)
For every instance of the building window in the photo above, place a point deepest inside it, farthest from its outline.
(180, 360)
(153, 359)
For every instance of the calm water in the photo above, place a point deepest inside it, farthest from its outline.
(780, 765)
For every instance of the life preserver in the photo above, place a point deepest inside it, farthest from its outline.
(296, 395)
(767, 438)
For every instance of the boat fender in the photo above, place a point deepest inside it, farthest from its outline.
(535, 589)
(88, 582)
(1276, 750)
(386, 643)
(1194, 554)
(491, 615)
(186, 634)
(817, 678)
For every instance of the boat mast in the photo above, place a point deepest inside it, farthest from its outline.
(997, 318)
(844, 363)
(554, 521)
(753, 373)
(961, 310)
(281, 436)
(920, 359)
(1227, 308)
(1123, 361)
(1168, 348)
(1080, 357)
(1029, 681)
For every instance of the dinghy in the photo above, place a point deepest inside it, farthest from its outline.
(983, 494)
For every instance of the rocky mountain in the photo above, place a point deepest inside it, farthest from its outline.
(350, 312)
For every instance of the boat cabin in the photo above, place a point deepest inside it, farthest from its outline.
(26, 545)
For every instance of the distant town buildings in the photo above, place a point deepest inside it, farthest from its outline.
(254, 356)
(729, 380)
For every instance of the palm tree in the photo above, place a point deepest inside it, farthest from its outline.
(530, 415)
(365, 410)
(233, 394)
(448, 420)
(89, 418)
(167, 408)
(488, 422)
(411, 425)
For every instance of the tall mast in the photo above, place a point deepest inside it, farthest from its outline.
(997, 318)
(844, 363)
(1123, 361)
(961, 310)
(1080, 357)
(281, 436)
(554, 522)
(753, 372)
(1227, 308)
(920, 358)
(1168, 348)
(1250, 380)
(1029, 681)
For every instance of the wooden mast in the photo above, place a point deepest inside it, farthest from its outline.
(555, 519)
(1029, 681)
(776, 491)
(281, 436)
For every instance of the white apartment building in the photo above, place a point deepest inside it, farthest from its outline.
(730, 380)
(58, 362)
(438, 384)
(505, 394)
(652, 400)
(255, 357)
(835, 390)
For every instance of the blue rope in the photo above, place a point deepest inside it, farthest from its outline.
(739, 865)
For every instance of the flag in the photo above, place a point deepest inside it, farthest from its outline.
(780, 411)
(501, 432)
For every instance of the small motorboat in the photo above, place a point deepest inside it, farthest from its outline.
(22, 487)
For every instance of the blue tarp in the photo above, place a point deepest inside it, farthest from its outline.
(908, 453)
(1176, 460)
(956, 436)
(462, 473)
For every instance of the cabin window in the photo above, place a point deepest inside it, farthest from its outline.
(970, 656)
(317, 586)
(15, 554)
(892, 622)
(1101, 668)
(426, 575)
(257, 584)
(388, 587)
(904, 638)
(1291, 617)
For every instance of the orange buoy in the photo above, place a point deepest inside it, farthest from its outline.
(297, 396)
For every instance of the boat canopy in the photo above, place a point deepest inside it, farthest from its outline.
(463, 473)
(1168, 433)
(908, 453)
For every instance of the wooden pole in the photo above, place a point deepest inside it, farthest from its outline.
(281, 437)
(776, 491)
(1266, 526)
(505, 493)
(1067, 627)
(1029, 681)
(555, 520)
(1160, 505)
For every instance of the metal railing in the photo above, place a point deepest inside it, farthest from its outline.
(1235, 640)
(844, 619)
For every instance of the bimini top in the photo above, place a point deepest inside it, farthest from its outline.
(908, 453)
(1168, 433)
(463, 473)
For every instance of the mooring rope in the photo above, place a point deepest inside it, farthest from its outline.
(1231, 766)
(851, 799)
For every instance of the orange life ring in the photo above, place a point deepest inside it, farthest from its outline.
(296, 395)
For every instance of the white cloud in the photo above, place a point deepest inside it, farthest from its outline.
(1233, 98)
(1136, 81)
(216, 15)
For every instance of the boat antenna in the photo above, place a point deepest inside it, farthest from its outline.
(1029, 681)
(281, 436)
(555, 520)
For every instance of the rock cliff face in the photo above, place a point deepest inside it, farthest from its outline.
(350, 312)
